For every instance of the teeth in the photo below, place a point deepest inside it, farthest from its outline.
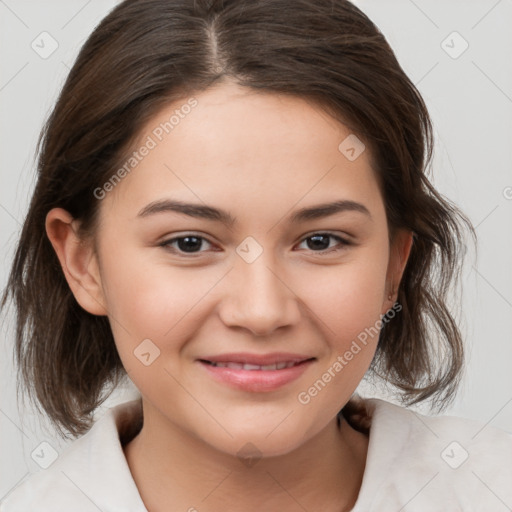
(254, 367)
(267, 367)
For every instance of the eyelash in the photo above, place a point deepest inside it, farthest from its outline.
(167, 243)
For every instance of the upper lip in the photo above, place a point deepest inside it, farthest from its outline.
(257, 359)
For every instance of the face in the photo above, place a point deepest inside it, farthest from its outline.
(272, 278)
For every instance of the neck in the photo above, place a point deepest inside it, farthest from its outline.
(170, 467)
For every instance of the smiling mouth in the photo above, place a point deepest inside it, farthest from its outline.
(256, 367)
(240, 371)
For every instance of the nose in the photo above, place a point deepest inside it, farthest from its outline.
(259, 297)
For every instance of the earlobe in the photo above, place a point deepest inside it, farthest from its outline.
(78, 260)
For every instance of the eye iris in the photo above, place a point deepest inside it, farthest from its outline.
(320, 246)
(185, 245)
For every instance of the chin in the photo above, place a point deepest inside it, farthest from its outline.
(257, 444)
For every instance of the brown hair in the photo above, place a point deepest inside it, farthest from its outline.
(146, 53)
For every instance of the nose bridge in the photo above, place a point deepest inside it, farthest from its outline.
(257, 296)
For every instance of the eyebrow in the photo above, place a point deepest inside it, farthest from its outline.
(215, 214)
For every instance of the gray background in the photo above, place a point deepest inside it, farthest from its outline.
(470, 100)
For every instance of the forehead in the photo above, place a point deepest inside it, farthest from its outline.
(237, 146)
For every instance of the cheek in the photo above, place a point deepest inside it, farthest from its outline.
(141, 300)
(347, 304)
(348, 297)
(149, 299)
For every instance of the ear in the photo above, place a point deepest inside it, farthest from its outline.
(399, 254)
(78, 260)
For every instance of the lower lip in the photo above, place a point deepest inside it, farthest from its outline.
(256, 380)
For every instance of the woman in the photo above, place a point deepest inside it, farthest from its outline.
(232, 210)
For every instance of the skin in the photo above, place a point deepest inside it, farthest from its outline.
(261, 157)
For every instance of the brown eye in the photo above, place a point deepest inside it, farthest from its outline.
(190, 244)
(320, 242)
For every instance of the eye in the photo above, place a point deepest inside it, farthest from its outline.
(192, 243)
(189, 244)
(320, 242)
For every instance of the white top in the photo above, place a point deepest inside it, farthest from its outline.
(415, 463)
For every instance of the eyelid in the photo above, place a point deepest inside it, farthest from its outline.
(342, 236)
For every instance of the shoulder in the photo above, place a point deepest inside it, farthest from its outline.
(423, 462)
(90, 474)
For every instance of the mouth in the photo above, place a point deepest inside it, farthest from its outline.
(256, 373)
(255, 367)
